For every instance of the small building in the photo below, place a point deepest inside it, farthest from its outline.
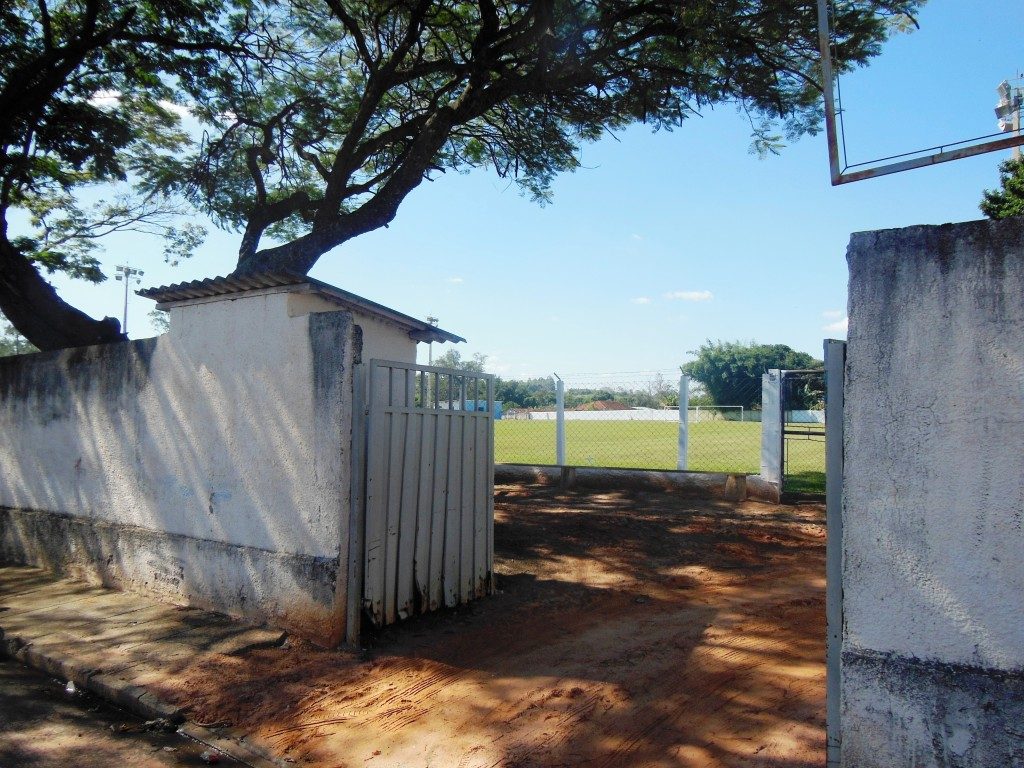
(245, 460)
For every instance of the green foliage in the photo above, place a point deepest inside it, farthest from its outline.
(540, 393)
(87, 91)
(12, 342)
(530, 393)
(159, 320)
(354, 104)
(730, 372)
(1008, 200)
(318, 117)
(452, 358)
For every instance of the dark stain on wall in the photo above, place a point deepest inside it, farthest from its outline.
(974, 715)
(48, 383)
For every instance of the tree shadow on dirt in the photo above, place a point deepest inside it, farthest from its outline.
(629, 629)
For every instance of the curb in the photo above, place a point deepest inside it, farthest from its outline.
(141, 702)
(133, 698)
(237, 747)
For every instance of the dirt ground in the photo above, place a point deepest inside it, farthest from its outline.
(630, 629)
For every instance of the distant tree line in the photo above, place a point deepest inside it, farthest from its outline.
(539, 392)
(723, 373)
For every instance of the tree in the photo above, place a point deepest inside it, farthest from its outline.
(532, 393)
(159, 320)
(349, 106)
(731, 372)
(452, 358)
(12, 342)
(1008, 200)
(86, 98)
(457, 386)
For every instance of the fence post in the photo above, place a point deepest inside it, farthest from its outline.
(771, 429)
(684, 405)
(559, 422)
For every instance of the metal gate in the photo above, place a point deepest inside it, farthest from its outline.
(429, 489)
(802, 396)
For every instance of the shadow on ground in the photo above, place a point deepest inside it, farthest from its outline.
(630, 628)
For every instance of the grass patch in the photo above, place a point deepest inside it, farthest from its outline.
(714, 446)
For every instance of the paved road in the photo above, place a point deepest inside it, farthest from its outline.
(42, 726)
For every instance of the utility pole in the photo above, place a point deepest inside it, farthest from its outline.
(1008, 109)
(126, 274)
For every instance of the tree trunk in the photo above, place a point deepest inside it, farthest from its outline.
(33, 307)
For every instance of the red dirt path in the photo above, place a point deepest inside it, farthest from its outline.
(631, 629)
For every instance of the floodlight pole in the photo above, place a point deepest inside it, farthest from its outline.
(125, 274)
(1010, 98)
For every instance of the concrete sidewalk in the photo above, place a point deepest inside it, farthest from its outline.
(119, 646)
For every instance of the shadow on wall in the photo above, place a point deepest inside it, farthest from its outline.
(192, 465)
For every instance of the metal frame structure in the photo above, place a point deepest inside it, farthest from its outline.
(842, 174)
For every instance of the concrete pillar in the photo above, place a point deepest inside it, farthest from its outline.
(771, 428)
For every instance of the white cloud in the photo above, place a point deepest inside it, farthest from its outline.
(641, 300)
(637, 237)
(178, 109)
(455, 280)
(839, 326)
(690, 295)
(105, 98)
(833, 314)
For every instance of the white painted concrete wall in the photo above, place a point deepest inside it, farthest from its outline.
(805, 417)
(211, 433)
(933, 574)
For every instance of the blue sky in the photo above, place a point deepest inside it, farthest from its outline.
(664, 240)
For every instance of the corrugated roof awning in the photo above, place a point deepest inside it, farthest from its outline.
(178, 293)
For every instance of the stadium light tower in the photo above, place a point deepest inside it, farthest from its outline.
(1008, 110)
(126, 274)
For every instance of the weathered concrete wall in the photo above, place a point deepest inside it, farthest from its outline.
(208, 465)
(933, 573)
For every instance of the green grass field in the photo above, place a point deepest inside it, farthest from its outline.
(714, 446)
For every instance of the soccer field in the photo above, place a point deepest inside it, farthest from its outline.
(714, 446)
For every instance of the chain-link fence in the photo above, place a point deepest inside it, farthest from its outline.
(630, 421)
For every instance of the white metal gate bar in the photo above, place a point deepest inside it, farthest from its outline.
(835, 381)
(429, 499)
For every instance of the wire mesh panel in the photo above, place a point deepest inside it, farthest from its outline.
(633, 421)
(429, 499)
